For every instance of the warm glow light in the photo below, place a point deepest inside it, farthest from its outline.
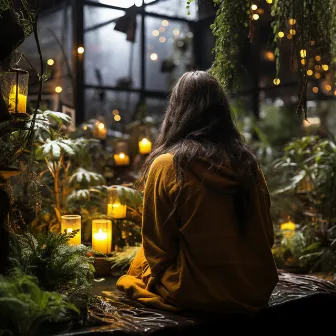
(165, 23)
(269, 55)
(154, 56)
(155, 32)
(50, 61)
(254, 7)
(255, 16)
(176, 32)
(315, 89)
(325, 67)
(80, 50)
(318, 58)
(162, 39)
(288, 228)
(269, 1)
(276, 81)
(70, 223)
(292, 31)
(85, 127)
(289, 36)
(102, 235)
(292, 21)
(115, 112)
(317, 67)
(309, 72)
(117, 117)
(328, 87)
(101, 126)
(303, 61)
(145, 146)
(17, 100)
(303, 53)
(317, 75)
(58, 89)
(162, 29)
(122, 155)
(281, 34)
(121, 159)
(335, 93)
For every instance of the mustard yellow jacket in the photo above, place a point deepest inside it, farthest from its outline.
(197, 259)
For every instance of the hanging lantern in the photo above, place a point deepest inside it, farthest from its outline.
(14, 89)
(102, 235)
(100, 130)
(145, 146)
(288, 228)
(69, 224)
(115, 208)
(121, 155)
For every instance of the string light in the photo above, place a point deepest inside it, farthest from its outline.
(50, 61)
(309, 72)
(154, 56)
(317, 67)
(255, 17)
(254, 7)
(162, 29)
(165, 23)
(328, 87)
(85, 127)
(155, 32)
(276, 81)
(117, 117)
(176, 32)
(303, 61)
(292, 31)
(315, 89)
(335, 93)
(317, 75)
(289, 36)
(269, 1)
(115, 112)
(303, 53)
(58, 89)
(292, 21)
(101, 126)
(269, 55)
(80, 50)
(162, 39)
(318, 58)
(325, 67)
(281, 34)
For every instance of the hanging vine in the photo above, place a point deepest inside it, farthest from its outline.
(308, 25)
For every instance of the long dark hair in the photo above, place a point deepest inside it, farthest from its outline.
(199, 124)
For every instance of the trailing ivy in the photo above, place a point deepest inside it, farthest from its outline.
(230, 28)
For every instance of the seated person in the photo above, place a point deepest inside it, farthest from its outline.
(207, 233)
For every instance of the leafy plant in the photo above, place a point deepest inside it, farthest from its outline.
(27, 310)
(57, 266)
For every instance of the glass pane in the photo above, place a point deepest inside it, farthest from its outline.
(156, 108)
(174, 8)
(110, 59)
(123, 3)
(104, 105)
(55, 34)
(169, 52)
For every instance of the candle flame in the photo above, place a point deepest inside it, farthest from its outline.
(122, 155)
(69, 230)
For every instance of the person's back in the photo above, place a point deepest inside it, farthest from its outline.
(207, 232)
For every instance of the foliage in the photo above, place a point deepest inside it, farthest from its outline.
(57, 266)
(121, 260)
(308, 171)
(230, 28)
(26, 309)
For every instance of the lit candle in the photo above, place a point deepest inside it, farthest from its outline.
(116, 210)
(121, 159)
(21, 106)
(71, 223)
(102, 235)
(288, 228)
(145, 146)
(100, 130)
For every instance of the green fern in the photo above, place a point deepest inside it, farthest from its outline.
(57, 265)
(83, 176)
(26, 310)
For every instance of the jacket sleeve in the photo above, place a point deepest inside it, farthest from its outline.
(159, 227)
(268, 222)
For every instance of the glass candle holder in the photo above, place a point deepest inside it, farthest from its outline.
(14, 89)
(100, 130)
(121, 155)
(145, 146)
(115, 208)
(70, 223)
(102, 235)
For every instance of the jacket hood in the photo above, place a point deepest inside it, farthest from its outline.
(222, 178)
